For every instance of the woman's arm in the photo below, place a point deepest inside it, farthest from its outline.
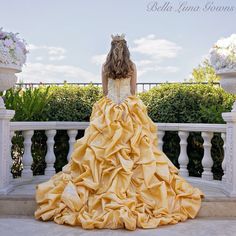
(133, 80)
(104, 82)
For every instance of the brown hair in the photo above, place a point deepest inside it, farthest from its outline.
(118, 64)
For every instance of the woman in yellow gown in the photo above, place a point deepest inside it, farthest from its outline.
(117, 177)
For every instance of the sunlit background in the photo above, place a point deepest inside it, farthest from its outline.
(69, 40)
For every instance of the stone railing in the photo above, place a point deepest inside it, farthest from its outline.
(141, 86)
(227, 131)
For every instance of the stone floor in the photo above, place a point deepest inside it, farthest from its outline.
(23, 226)
(216, 224)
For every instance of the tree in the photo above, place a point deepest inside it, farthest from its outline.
(204, 73)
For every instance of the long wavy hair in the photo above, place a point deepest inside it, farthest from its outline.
(118, 63)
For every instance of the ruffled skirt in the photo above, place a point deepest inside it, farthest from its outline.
(117, 177)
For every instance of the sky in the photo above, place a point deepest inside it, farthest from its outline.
(69, 39)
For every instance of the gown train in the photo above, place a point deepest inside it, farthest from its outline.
(117, 177)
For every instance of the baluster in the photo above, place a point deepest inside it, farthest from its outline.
(183, 157)
(160, 135)
(72, 138)
(223, 136)
(12, 133)
(27, 156)
(50, 156)
(207, 161)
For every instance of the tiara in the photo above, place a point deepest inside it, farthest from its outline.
(118, 37)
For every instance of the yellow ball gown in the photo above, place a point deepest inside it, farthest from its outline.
(117, 177)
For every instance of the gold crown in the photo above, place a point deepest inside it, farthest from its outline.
(118, 37)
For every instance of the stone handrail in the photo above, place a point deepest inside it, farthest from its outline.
(227, 132)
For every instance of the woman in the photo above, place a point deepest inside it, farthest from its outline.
(117, 177)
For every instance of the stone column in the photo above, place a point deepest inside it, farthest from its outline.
(229, 183)
(5, 149)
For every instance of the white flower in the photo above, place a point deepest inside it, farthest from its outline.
(12, 49)
(223, 54)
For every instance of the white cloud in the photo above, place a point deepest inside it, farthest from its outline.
(156, 68)
(48, 72)
(155, 51)
(56, 58)
(143, 62)
(155, 47)
(99, 59)
(39, 58)
(53, 53)
(39, 72)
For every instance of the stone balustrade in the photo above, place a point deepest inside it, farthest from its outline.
(227, 131)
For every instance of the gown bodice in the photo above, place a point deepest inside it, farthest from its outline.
(118, 89)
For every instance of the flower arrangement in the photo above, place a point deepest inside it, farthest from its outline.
(12, 49)
(223, 55)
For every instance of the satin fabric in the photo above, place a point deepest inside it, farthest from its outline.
(117, 177)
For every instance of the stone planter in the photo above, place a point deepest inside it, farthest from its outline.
(228, 83)
(7, 79)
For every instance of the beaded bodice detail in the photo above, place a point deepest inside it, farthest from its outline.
(118, 89)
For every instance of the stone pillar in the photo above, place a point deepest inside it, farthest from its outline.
(5, 150)
(229, 185)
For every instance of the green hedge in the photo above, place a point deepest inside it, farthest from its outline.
(174, 103)
(178, 103)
